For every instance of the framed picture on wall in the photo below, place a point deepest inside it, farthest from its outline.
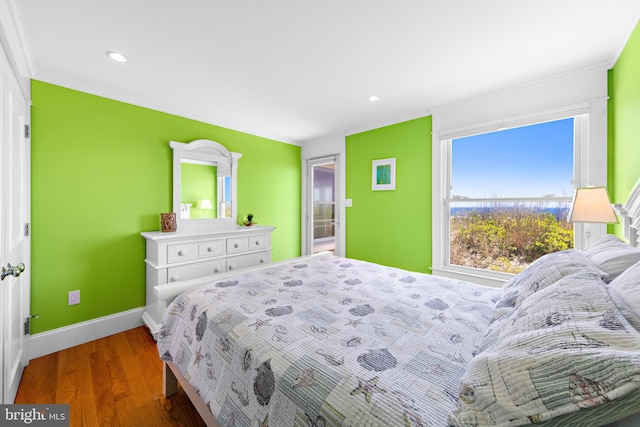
(383, 174)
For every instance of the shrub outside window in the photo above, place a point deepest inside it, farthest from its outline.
(509, 195)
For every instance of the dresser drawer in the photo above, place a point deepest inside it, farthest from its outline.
(249, 260)
(183, 252)
(258, 242)
(192, 271)
(237, 244)
(211, 248)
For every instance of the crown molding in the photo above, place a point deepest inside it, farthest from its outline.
(523, 85)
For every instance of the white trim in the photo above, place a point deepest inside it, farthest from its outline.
(515, 122)
(552, 95)
(486, 280)
(307, 202)
(79, 333)
(572, 76)
(568, 94)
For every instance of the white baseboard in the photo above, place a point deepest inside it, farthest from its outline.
(69, 336)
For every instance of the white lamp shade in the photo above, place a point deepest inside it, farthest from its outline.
(591, 204)
(204, 204)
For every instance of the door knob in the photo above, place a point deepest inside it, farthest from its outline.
(14, 271)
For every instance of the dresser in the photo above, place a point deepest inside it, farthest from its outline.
(178, 256)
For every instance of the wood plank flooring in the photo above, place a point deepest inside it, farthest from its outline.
(113, 381)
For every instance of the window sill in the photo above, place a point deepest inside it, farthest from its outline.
(493, 279)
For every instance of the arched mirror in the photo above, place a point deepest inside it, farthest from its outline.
(204, 184)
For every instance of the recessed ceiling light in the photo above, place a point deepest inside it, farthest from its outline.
(117, 56)
(373, 98)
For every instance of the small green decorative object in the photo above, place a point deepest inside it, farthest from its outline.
(248, 220)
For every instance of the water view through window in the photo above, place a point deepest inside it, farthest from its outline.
(510, 194)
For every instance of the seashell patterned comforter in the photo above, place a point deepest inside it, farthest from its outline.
(327, 341)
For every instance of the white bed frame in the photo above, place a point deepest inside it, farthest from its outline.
(171, 375)
(630, 214)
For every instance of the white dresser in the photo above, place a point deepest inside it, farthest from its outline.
(178, 256)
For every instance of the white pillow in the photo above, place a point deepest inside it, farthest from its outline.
(627, 286)
(544, 271)
(613, 256)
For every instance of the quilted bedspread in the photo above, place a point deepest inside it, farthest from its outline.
(327, 341)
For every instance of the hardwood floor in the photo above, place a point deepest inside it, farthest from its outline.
(113, 381)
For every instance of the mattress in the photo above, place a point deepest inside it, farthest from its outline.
(327, 341)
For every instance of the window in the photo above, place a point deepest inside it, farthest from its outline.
(509, 195)
(224, 196)
(580, 95)
(588, 166)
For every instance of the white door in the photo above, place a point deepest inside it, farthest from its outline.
(14, 239)
(322, 205)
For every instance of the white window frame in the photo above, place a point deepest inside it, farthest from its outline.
(584, 94)
(222, 195)
(580, 141)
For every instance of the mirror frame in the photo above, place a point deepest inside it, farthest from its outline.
(205, 152)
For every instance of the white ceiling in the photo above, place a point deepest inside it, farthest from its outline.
(299, 70)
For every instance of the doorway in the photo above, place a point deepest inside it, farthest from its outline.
(322, 206)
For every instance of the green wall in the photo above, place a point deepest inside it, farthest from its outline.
(101, 174)
(391, 227)
(624, 122)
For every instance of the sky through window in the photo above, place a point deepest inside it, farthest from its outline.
(529, 161)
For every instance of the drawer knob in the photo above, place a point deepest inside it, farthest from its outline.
(216, 270)
(257, 242)
(231, 267)
(236, 245)
(209, 249)
(261, 261)
(174, 278)
(180, 253)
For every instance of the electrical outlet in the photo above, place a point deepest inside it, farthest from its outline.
(74, 297)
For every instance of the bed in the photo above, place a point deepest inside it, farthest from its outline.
(330, 341)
